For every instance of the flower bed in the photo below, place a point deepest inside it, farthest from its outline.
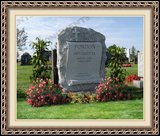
(126, 65)
(111, 89)
(45, 92)
(130, 78)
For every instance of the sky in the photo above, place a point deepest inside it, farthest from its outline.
(122, 31)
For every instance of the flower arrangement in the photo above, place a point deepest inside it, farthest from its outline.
(130, 78)
(111, 89)
(81, 97)
(126, 65)
(45, 92)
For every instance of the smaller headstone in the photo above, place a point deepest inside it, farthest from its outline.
(25, 59)
(140, 65)
(139, 83)
(128, 55)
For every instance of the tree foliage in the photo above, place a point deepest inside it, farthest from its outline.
(21, 38)
(40, 66)
(133, 53)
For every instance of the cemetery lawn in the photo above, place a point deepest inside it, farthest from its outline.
(129, 109)
(130, 70)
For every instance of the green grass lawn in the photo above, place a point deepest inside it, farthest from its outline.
(130, 70)
(130, 109)
(23, 79)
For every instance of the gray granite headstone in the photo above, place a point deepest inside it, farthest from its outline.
(25, 59)
(81, 56)
(140, 64)
(139, 83)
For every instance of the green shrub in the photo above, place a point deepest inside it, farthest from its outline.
(40, 67)
(117, 58)
(20, 92)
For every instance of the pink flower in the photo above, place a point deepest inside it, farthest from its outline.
(97, 97)
(37, 90)
(31, 95)
(40, 85)
(43, 82)
(117, 79)
(110, 80)
(99, 90)
(48, 95)
(32, 87)
(29, 101)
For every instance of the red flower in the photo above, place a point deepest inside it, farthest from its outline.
(29, 101)
(130, 78)
(126, 65)
(97, 97)
(33, 87)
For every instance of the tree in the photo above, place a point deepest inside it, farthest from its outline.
(117, 58)
(21, 39)
(133, 53)
(40, 66)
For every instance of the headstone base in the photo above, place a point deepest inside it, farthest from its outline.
(82, 88)
(138, 83)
